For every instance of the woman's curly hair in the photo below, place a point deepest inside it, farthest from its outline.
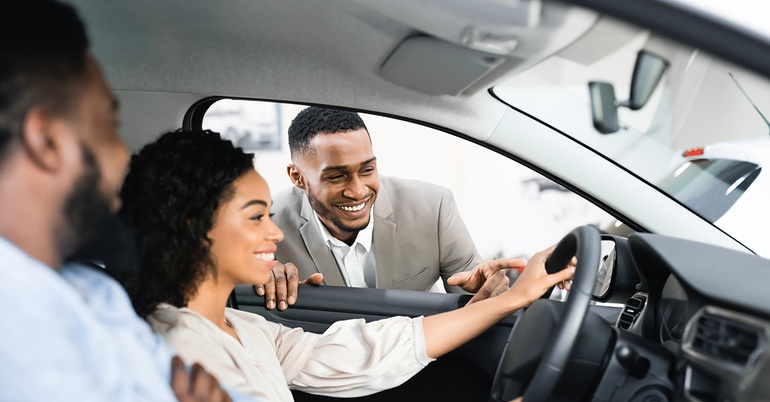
(172, 191)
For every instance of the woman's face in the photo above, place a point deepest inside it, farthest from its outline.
(243, 236)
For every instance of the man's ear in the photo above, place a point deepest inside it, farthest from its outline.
(40, 139)
(295, 176)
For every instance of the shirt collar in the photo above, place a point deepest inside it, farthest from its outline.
(364, 237)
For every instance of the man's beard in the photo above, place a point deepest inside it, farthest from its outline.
(322, 211)
(92, 232)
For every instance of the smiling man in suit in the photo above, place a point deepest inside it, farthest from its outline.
(360, 229)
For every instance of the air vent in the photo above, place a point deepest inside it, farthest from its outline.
(631, 311)
(725, 339)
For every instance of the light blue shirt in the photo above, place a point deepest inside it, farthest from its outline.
(72, 335)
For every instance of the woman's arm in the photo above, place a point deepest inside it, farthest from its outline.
(447, 331)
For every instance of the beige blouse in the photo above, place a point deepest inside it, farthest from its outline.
(352, 358)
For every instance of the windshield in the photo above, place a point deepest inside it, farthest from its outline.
(700, 138)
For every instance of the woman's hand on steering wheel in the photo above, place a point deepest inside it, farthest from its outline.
(534, 281)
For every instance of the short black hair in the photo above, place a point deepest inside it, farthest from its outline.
(173, 189)
(42, 62)
(314, 120)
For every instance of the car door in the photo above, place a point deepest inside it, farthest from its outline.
(465, 374)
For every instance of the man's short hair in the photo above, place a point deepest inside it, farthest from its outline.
(42, 62)
(315, 120)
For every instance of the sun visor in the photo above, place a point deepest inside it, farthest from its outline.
(473, 47)
(437, 67)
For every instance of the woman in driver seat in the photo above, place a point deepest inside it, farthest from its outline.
(201, 214)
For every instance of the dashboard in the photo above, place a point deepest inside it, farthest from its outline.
(706, 310)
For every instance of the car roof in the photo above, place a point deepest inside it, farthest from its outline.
(332, 52)
(319, 52)
(347, 35)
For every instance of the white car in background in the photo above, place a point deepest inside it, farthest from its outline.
(725, 183)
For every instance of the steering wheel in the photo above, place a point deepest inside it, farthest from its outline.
(545, 334)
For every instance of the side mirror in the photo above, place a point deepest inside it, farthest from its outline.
(617, 278)
(606, 270)
(648, 71)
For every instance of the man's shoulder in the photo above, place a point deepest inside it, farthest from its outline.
(287, 206)
(22, 276)
(290, 198)
(93, 282)
(411, 187)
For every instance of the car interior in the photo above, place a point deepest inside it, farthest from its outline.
(666, 304)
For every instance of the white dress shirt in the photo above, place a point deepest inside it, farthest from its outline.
(356, 262)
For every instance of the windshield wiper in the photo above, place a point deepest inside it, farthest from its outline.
(750, 101)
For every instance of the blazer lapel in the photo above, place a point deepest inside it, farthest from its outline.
(319, 252)
(384, 238)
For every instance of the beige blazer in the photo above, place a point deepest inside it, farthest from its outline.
(418, 236)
